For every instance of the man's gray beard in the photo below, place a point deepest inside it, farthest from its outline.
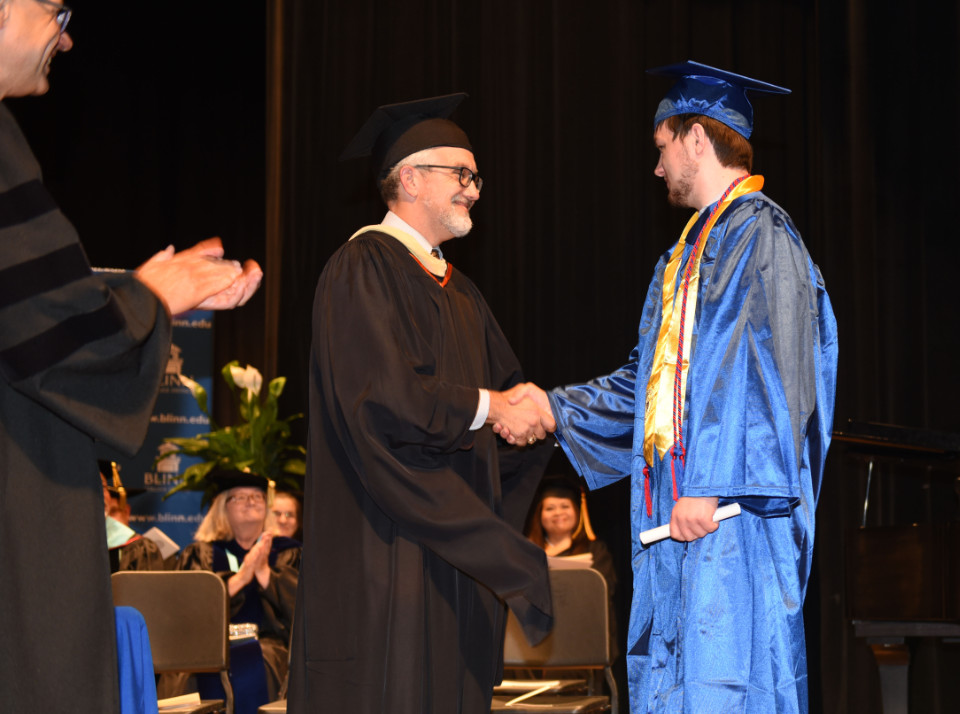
(457, 224)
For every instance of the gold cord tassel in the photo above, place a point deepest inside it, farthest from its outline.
(584, 525)
(118, 487)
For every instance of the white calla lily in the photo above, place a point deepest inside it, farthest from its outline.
(248, 378)
(188, 383)
(259, 442)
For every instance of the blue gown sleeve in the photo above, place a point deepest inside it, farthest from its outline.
(599, 422)
(595, 424)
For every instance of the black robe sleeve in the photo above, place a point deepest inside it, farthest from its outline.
(139, 554)
(81, 356)
(89, 347)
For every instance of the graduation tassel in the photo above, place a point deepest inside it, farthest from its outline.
(646, 490)
(118, 486)
(584, 525)
(676, 472)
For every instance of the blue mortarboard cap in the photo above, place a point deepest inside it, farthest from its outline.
(713, 92)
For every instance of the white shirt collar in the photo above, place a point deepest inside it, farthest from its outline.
(394, 221)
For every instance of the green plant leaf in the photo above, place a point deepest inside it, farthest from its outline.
(259, 441)
(228, 376)
(275, 388)
(198, 392)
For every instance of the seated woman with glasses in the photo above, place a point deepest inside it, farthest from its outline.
(236, 540)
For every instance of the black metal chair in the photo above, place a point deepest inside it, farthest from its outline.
(187, 616)
(580, 641)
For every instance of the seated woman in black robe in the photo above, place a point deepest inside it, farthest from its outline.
(236, 541)
(128, 549)
(559, 523)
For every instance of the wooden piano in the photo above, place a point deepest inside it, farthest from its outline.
(902, 563)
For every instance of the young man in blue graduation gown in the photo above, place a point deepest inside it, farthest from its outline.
(717, 616)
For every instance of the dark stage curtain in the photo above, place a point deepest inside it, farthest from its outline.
(178, 124)
(572, 220)
(153, 133)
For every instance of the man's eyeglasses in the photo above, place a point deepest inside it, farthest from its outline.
(466, 175)
(63, 13)
(254, 499)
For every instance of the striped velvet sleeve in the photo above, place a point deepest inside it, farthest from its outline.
(89, 347)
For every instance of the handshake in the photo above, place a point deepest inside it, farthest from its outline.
(522, 414)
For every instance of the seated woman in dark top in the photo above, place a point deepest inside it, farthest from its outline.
(235, 540)
(559, 523)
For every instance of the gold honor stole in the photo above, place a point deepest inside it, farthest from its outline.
(437, 268)
(659, 429)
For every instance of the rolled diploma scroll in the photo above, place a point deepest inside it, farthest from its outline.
(660, 532)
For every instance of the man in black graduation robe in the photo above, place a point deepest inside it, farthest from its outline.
(412, 543)
(81, 357)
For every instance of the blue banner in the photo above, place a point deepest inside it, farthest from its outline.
(155, 468)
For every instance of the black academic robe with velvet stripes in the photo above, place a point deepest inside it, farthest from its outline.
(81, 356)
(412, 542)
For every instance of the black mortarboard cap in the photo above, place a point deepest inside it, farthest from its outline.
(220, 480)
(394, 131)
(561, 486)
(292, 484)
(713, 92)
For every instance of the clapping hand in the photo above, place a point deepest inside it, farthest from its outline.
(199, 277)
(260, 552)
(256, 564)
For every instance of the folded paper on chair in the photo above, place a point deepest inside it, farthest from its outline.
(185, 702)
(167, 545)
(564, 562)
